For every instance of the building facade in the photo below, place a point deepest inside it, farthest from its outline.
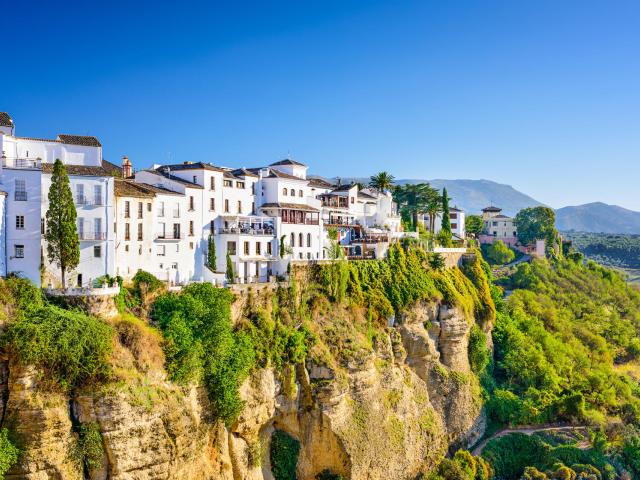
(498, 227)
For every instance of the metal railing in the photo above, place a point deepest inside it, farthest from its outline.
(29, 163)
(88, 202)
(92, 235)
(246, 231)
(168, 236)
(20, 196)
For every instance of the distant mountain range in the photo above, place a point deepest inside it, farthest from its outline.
(598, 217)
(473, 195)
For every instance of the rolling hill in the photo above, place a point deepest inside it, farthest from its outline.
(598, 217)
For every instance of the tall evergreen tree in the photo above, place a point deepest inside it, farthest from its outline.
(445, 228)
(230, 272)
(63, 245)
(211, 253)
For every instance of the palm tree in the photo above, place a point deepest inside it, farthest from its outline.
(382, 181)
(434, 207)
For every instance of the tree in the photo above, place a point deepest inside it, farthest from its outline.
(536, 223)
(434, 207)
(414, 200)
(498, 253)
(211, 253)
(445, 226)
(63, 245)
(474, 224)
(382, 181)
(230, 273)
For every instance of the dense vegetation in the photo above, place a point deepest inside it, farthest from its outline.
(620, 251)
(284, 451)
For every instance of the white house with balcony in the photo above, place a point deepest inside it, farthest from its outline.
(25, 176)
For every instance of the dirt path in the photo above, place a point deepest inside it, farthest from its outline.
(530, 430)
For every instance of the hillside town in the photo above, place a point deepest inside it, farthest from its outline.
(194, 221)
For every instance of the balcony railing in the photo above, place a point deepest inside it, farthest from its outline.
(371, 238)
(246, 231)
(20, 196)
(29, 163)
(176, 213)
(92, 236)
(161, 212)
(168, 236)
(90, 202)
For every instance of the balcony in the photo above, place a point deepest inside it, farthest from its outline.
(82, 201)
(92, 236)
(246, 231)
(168, 237)
(372, 238)
(26, 163)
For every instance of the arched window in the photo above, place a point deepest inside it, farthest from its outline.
(300, 193)
(300, 240)
(293, 239)
(284, 192)
(308, 240)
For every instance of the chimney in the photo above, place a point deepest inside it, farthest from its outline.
(127, 169)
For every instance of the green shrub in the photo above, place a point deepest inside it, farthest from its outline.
(328, 475)
(479, 354)
(145, 283)
(90, 449)
(284, 454)
(72, 348)
(498, 253)
(202, 344)
(9, 453)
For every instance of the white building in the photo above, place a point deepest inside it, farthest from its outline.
(457, 221)
(498, 227)
(25, 176)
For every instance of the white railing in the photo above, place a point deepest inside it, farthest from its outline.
(92, 236)
(29, 163)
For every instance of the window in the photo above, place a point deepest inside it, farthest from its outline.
(191, 245)
(293, 239)
(191, 227)
(79, 280)
(353, 199)
(300, 241)
(97, 251)
(246, 248)
(140, 250)
(300, 193)
(140, 209)
(308, 240)
(191, 204)
(127, 209)
(212, 183)
(127, 231)
(212, 204)
(18, 251)
(239, 206)
(19, 222)
(253, 189)
(258, 248)
(161, 209)
(308, 255)
(139, 231)
(148, 206)
(162, 250)
(239, 184)
(253, 208)
(195, 179)
(97, 228)
(227, 183)
(80, 200)
(126, 248)
(454, 226)
(20, 194)
(42, 226)
(97, 194)
(226, 206)
(284, 192)
(231, 248)
(268, 248)
(176, 230)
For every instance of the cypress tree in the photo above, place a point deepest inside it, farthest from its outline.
(445, 227)
(230, 273)
(63, 245)
(211, 253)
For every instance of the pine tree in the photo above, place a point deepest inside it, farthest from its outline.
(445, 227)
(211, 253)
(63, 245)
(230, 273)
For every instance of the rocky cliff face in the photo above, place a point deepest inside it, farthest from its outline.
(389, 413)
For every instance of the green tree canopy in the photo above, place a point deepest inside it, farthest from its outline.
(445, 225)
(536, 223)
(474, 224)
(63, 245)
(382, 181)
(415, 200)
(498, 253)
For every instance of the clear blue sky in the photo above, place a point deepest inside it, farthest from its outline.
(543, 95)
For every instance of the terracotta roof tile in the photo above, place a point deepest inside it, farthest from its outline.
(128, 188)
(82, 170)
(5, 120)
(85, 141)
(293, 206)
(288, 161)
